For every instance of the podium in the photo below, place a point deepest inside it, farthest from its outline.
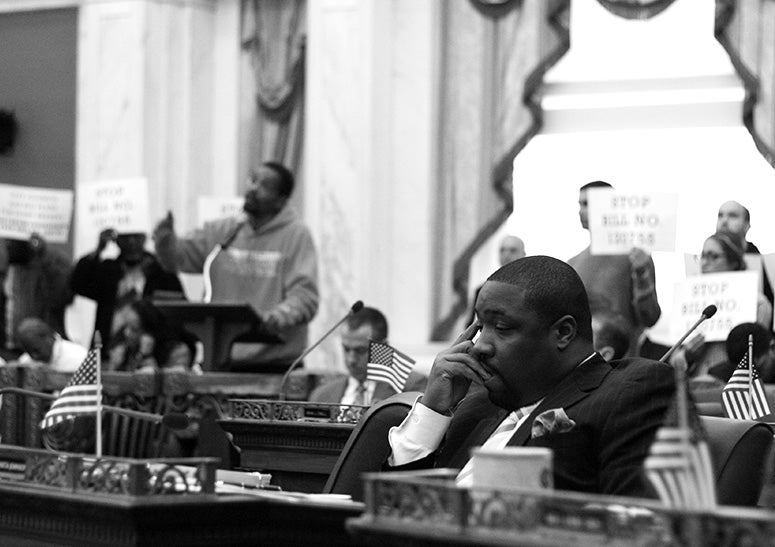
(216, 325)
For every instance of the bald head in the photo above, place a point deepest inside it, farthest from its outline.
(733, 218)
(511, 249)
(36, 338)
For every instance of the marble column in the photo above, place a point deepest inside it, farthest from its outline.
(369, 142)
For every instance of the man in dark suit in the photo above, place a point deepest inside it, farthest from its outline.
(530, 355)
(368, 324)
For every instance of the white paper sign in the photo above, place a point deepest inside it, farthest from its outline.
(215, 207)
(119, 204)
(733, 293)
(25, 209)
(619, 221)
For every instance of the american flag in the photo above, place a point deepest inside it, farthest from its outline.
(680, 469)
(80, 395)
(387, 364)
(743, 397)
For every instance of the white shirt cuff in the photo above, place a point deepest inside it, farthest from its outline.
(418, 435)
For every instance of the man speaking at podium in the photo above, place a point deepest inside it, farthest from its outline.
(264, 257)
(527, 374)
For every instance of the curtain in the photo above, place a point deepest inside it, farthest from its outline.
(635, 9)
(273, 36)
(746, 30)
(492, 63)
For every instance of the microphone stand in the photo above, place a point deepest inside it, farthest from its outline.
(707, 313)
(355, 308)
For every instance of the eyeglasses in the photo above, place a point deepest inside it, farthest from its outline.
(710, 255)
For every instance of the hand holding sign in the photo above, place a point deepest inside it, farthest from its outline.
(164, 230)
(619, 221)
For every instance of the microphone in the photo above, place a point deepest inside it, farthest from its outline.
(707, 313)
(173, 420)
(355, 308)
(208, 295)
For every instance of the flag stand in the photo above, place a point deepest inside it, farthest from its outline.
(98, 422)
(750, 377)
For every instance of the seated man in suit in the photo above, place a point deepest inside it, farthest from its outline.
(531, 355)
(368, 324)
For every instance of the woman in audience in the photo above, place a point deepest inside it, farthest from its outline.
(138, 337)
(720, 253)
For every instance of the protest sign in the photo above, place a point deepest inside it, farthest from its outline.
(215, 207)
(25, 210)
(735, 295)
(119, 204)
(619, 221)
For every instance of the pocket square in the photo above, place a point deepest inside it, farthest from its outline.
(551, 421)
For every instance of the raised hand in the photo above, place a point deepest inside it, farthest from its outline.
(452, 373)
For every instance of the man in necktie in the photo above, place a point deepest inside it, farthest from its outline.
(526, 374)
(367, 325)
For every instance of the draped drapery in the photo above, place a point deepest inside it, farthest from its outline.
(635, 9)
(273, 35)
(746, 30)
(491, 67)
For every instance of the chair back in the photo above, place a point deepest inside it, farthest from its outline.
(740, 450)
(367, 448)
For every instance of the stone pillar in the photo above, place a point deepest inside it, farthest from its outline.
(370, 150)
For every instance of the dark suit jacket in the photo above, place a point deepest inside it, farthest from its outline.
(617, 407)
(333, 390)
(99, 281)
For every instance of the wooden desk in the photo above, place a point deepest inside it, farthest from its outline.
(30, 516)
(427, 508)
(297, 442)
(54, 498)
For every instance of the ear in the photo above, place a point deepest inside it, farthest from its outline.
(565, 329)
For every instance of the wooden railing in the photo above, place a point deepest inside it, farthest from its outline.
(202, 397)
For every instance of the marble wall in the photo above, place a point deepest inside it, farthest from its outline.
(369, 143)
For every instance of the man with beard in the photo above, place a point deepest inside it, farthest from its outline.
(526, 374)
(134, 274)
(267, 259)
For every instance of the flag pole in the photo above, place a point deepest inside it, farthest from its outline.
(750, 376)
(98, 424)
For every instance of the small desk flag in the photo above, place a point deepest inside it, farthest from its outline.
(743, 397)
(80, 395)
(387, 364)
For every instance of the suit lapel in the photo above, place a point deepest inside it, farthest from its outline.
(575, 387)
(477, 437)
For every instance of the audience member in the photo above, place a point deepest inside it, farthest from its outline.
(511, 248)
(622, 284)
(736, 219)
(367, 325)
(42, 344)
(609, 337)
(534, 357)
(133, 275)
(268, 261)
(35, 285)
(139, 335)
(721, 252)
(736, 347)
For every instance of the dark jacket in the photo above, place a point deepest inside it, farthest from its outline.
(98, 280)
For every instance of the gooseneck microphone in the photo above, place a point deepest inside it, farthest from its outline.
(355, 308)
(173, 420)
(707, 313)
(208, 284)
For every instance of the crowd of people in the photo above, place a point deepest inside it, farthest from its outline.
(543, 334)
